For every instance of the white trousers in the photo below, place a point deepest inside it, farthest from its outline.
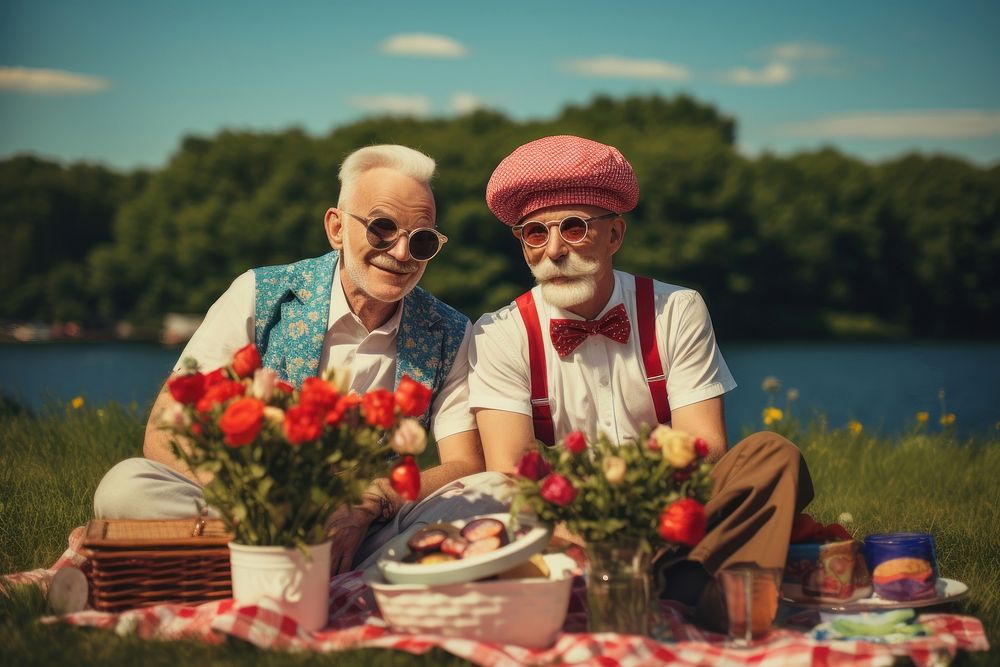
(144, 489)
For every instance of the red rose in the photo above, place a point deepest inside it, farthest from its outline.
(220, 393)
(241, 421)
(284, 386)
(215, 377)
(344, 403)
(701, 447)
(187, 389)
(412, 397)
(683, 522)
(533, 466)
(318, 395)
(302, 424)
(405, 478)
(558, 490)
(575, 442)
(379, 408)
(246, 360)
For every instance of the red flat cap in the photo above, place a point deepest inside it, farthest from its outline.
(561, 171)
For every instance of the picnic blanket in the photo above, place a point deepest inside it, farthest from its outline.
(355, 623)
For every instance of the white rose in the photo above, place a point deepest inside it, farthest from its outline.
(677, 446)
(274, 415)
(614, 469)
(409, 438)
(264, 380)
(174, 416)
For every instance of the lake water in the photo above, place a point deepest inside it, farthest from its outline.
(882, 385)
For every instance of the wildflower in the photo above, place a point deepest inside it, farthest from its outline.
(855, 427)
(792, 395)
(947, 419)
(77, 402)
(845, 517)
(772, 415)
(923, 416)
(770, 384)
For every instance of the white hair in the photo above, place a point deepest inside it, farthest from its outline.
(405, 160)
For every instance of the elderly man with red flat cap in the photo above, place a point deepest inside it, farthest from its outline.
(594, 349)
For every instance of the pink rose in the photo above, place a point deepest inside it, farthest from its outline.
(575, 442)
(532, 466)
(558, 490)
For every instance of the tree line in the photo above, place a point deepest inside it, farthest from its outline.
(816, 244)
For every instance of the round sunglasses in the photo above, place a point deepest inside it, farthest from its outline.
(384, 233)
(573, 229)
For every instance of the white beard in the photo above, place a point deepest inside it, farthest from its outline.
(579, 284)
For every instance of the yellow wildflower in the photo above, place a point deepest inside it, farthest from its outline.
(792, 395)
(923, 416)
(772, 415)
(77, 402)
(948, 419)
(770, 384)
(855, 427)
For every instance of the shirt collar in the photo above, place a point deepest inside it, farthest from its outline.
(339, 309)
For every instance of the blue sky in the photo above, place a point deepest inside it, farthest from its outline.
(122, 82)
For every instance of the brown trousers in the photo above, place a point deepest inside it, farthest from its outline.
(761, 483)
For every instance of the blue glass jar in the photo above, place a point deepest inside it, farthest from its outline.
(903, 565)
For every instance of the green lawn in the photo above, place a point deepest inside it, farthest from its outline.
(52, 463)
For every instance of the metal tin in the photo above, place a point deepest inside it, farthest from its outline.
(903, 565)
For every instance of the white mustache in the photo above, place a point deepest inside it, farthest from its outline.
(573, 266)
(388, 263)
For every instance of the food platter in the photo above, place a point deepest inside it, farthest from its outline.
(531, 539)
(946, 592)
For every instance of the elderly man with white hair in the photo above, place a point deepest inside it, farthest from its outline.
(357, 307)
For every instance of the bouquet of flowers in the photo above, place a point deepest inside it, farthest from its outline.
(281, 459)
(648, 493)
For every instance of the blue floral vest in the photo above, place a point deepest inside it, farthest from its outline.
(292, 306)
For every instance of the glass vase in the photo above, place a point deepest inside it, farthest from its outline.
(618, 589)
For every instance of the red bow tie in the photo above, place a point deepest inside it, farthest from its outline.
(568, 334)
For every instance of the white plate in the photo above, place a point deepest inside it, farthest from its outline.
(948, 590)
(464, 569)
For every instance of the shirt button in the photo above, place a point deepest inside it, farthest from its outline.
(604, 380)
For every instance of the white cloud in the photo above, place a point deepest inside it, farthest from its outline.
(628, 68)
(774, 74)
(463, 103)
(423, 45)
(391, 103)
(798, 51)
(929, 124)
(33, 80)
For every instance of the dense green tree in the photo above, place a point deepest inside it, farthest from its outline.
(813, 244)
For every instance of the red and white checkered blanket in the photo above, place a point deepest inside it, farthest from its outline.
(355, 623)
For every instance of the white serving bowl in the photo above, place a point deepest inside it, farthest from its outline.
(524, 612)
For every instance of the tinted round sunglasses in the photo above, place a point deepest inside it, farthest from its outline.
(383, 234)
(573, 229)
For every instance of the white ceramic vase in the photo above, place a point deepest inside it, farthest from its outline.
(300, 586)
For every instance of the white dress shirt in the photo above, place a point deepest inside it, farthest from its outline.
(370, 355)
(600, 386)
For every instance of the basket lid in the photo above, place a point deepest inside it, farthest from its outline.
(127, 533)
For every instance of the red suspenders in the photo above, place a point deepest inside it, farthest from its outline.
(541, 411)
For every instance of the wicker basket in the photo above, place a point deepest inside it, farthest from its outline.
(143, 563)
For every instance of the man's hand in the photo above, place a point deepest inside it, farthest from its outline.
(348, 527)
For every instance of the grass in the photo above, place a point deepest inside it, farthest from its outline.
(52, 463)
